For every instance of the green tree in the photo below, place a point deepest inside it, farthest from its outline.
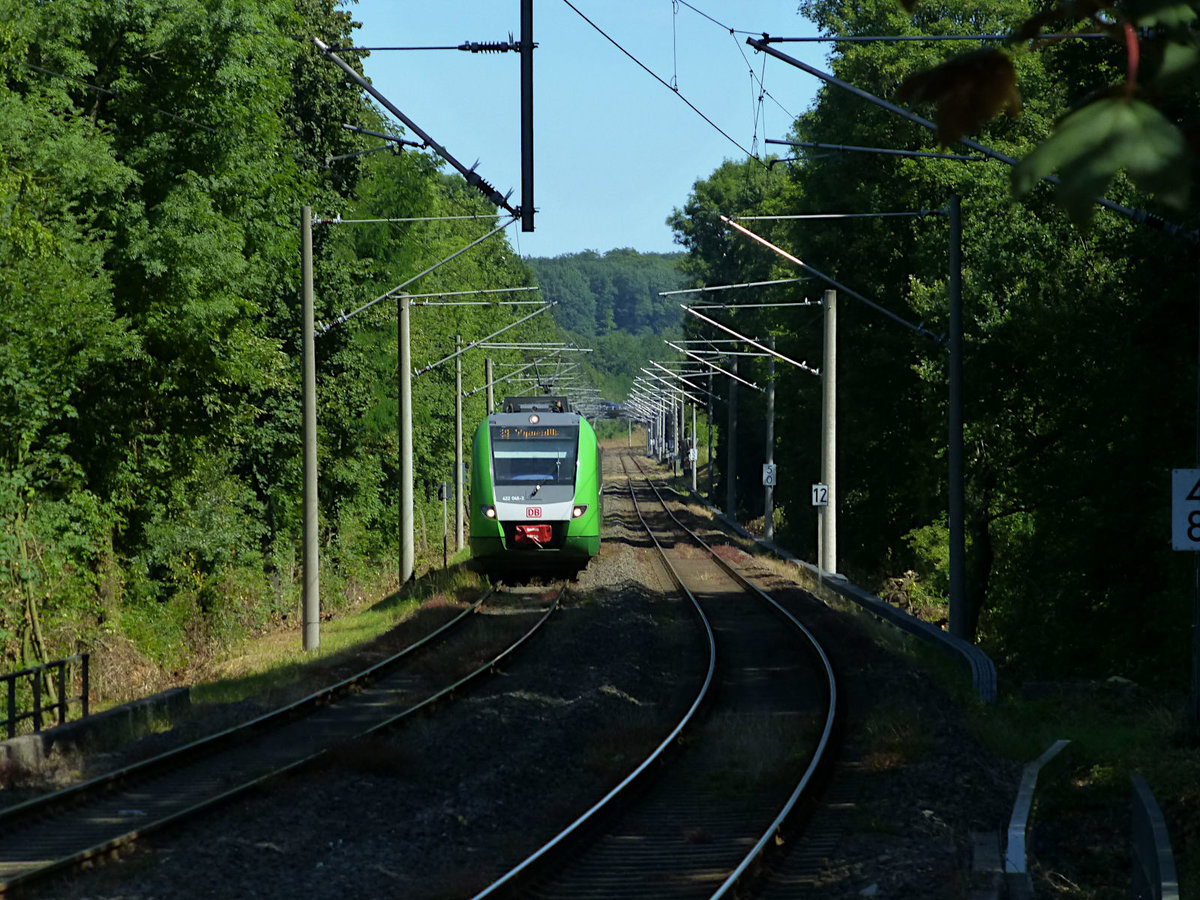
(1134, 120)
(1068, 350)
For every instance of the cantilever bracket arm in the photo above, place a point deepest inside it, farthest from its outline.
(473, 178)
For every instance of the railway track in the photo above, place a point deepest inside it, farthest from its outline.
(748, 749)
(52, 833)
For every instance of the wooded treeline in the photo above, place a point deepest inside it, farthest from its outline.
(610, 302)
(1080, 357)
(154, 159)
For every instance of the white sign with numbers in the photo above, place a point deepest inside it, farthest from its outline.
(769, 473)
(820, 495)
(1185, 509)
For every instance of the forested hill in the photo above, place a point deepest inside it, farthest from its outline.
(617, 291)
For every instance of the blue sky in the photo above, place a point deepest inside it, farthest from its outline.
(615, 150)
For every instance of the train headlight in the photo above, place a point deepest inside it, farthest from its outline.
(534, 419)
(578, 511)
(489, 512)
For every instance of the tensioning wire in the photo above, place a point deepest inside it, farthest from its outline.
(659, 79)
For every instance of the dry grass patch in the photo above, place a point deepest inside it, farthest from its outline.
(895, 734)
(276, 668)
(753, 752)
(628, 737)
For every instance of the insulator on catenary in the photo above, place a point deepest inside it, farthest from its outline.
(490, 46)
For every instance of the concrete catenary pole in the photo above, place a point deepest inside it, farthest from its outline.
(311, 556)
(1193, 705)
(491, 388)
(828, 560)
(404, 353)
(676, 415)
(769, 489)
(459, 500)
(731, 447)
(709, 423)
(962, 618)
(695, 449)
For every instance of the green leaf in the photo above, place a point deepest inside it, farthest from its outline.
(1092, 144)
(1177, 60)
(1162, 14)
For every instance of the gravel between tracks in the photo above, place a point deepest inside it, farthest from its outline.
(440, 808)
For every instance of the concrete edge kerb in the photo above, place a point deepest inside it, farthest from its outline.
(100, 732)
(1017, 876)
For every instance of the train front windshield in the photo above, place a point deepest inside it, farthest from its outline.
(535, 455)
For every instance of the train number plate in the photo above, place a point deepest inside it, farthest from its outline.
(533, 512)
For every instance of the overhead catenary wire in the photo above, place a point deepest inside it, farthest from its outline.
(729, 287)
(511, 290)
(338, 220)
(658, 377)
(753, 343)
(423, 299)
(712, 365)
(494, 303)
(507, 377)
(346, 317)
(903, 38)
(919, 329)
(473, 178)
(922, 213)
(723, 353)
(881, 151)
(467, 46)
(112, 93)
(792, 304)
(758, 79)
(1140, 216)
(483, 341)
(680, 376)
(659, 79)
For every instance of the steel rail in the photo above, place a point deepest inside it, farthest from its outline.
(511, 880)
(212, 745)
(214, 742)
(831, 720)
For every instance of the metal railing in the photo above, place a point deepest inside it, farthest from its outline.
(36, 676)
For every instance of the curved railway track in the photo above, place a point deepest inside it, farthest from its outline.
(748, 749)
(102, 815)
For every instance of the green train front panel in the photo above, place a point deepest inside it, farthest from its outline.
(533, 478)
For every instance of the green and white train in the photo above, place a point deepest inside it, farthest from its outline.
(535, 489)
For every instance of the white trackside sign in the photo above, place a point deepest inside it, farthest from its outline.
(1185, 509)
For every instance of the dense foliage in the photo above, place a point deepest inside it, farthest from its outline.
(154, 160)
(598, 294)
(610, 302)
(1080, 358)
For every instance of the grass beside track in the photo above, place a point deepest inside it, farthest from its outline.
(276, 664)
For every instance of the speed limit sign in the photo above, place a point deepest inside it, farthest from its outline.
(1185, 509)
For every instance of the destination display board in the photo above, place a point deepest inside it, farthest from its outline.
(533, 432)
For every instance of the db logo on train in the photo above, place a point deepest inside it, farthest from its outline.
(533, 512)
